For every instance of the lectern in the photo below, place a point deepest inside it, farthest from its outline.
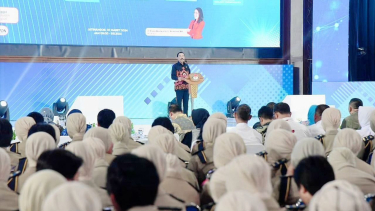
(194, 80)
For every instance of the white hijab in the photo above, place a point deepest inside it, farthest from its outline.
(215, 125)
(279, 145)
(4, 166)
(350, 139)
(278, 124)
(365, 118)
(167, 142)
(331, 119)
(125, 121)
(240, 201)
(36, 144)
(339, 195)
(76, 126)
(23, 126)
(217, 183)
(97, 146)
(156, 156)
(119, 133)
(305, 148)
(83, 150)
(73, 196)
(37, 188)
(228, 146)
(157, 130)
(102, 134)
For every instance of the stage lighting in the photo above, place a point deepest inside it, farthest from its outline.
(4, 110)
(61, 108)
(232, 106)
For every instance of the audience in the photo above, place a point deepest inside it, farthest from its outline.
(178, 117)
(240, 201)
(6, 135)
(265, 115)
(8, 198)
(249, 135)
(43, 127)
(105, 118)
(61, 161)
(104, 135)
(76, 126)
(310, 175)
(227, 146)
(22, 128)
(164, 122)
(331, 118)
(121, 139)
(311, 115)
(199, 117)
(282, 111)
(364, 118)
(317, 128)
(38, 117)
(352, 120)
(127, 123)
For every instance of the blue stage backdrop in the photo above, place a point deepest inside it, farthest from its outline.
(227, 23)
(330, 40)
(147, 88)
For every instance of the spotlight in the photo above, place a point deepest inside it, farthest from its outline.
(4, 110)
(232, 106)
(61, 108)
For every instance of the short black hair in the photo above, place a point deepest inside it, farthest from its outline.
(282, 108)
(6, 133)
(174, 108)
(73, 111)
(265, 112)
(355, 103)
(313, 173)
(243, 112)
(165, 122)
(106, 117)
(271, 105)
(42, 127)
(133, 181)
(38, 117)
(60, 160)
(179, 53)
(320, 108)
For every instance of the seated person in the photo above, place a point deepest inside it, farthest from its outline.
(6, 135)
(265, 115)
(317, 128)
(176, 115)
(65, 131)
(132, 183)
(310, 175)
(105, 118)
(352, 120)
(42, 127)
(38, 117)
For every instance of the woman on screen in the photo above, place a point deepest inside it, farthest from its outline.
(197, 25)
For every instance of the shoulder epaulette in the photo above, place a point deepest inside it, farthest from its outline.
(262, 154)
(368, 138)
(209, 174)
(280, 164)
(140, 142)
(320, 138)
(63, 146)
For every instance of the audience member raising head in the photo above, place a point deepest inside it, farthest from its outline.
(36, 144)
(37, 188)
(132, 183)
(352, 120)
(72, 196)
(43, 127)
(248, 134)
(127, 123)
(8, 199)
(240, 201)
(105, 118)
(104, 135)
(331, 122)
(364, 118)
(6, 135)
(38, 117)
(339, 195)
(61, 161)
(317, 128)
(121, 139)
(311, 174)
(76, 126)
(22, 128)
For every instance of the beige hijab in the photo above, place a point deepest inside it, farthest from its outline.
(57, 133)
(121, 139)
(350, 139)
(36, 144)
(128, 126)
(278, 124)
(8, 199)
(72, 196)
(4, 166)
(279, 145)
(97, 146)
(37, 188)
(339, 195)
(23, 126)
(365, 118)
(83, 150)
(76, 126)
(215, 125)
(167, 142)
(343, 162)
(228, 146)
(331, 119)
(102, 134)
(305, 148)
(241, 201)
(156, 156)
(217, 183)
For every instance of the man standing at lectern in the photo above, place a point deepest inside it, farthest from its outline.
(180, 71)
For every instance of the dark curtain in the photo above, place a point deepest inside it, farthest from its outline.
(362, 40)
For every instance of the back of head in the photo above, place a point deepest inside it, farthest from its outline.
(341, 157)
(282, 108)
(37, 187)
(364, 116)
(166, 142)
(23, 126)
(339, 195)
(227, 147)
(155, 155)
(278, 124)
(38, 117)
(6, 133)
(106, 117)
(243, 112)
(355, 103)
(265, 112)
(350, 139)
(125, 121)
(305, 148)
(72, 196)
(97, 146)
(36, 144)
(133, 181)
(279, 145)
(313, 172)
(47, 114)
(174, 108)
(157, 130)
(199, 117)
(250, 173)
(240, 201)
(214, 126)
(4, 166)
(331, 119)
(43, 127)
(82, 150)
(60, 160)
(165, 122)
(320, 109)
(102, 134)
(271, 105)
(74, 111)
(76, 125)
(119, 133)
